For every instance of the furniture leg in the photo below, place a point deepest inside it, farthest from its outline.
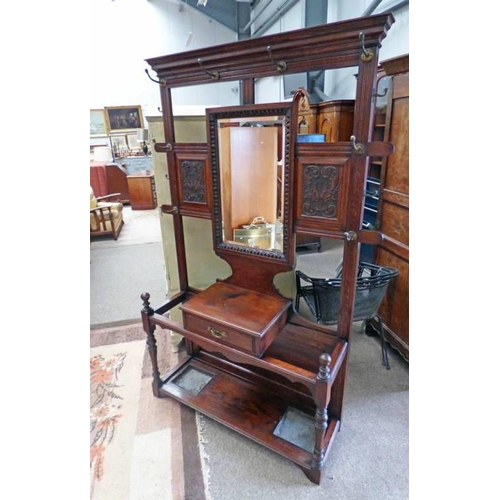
(149, 328)
(321, 417)
(385, 359)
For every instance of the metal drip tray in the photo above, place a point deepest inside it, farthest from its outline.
(193, 380)
(297, 428)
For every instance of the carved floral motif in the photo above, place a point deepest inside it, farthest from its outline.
(320, 187)
(193, 181)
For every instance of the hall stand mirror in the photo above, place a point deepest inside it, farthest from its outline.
(253, 364)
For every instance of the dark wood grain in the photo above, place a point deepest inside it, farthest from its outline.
(328, 46)
(269, 358)
(248, 409)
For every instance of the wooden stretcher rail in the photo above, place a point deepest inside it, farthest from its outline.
(291, 372)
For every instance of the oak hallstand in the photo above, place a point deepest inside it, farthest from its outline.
(253, 364)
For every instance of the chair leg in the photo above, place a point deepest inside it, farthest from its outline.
(385, 359)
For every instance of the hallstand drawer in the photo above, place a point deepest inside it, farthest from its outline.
(236, 317)
(221, 333)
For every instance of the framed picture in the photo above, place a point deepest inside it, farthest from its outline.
(133, 143)
(97, 123)
(119, 145)
(123, 118)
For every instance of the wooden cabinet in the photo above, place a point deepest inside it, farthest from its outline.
(332, 118)
(394, 204)
(142, 190)
(335, 119)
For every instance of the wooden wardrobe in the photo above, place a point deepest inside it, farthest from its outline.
(392, 124)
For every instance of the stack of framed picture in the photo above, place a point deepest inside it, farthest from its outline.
(116, 126)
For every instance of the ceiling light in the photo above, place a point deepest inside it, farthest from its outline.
(203, 3)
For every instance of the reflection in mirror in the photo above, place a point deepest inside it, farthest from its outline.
(251, 158)
(250, 173)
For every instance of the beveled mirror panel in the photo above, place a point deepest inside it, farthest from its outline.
(250, 154)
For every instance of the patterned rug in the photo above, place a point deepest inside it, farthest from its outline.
(141, 447)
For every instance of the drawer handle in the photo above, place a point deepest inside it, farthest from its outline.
(218, 334)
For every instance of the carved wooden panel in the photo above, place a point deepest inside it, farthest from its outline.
(320, 190)
(193, 180)
(322, 183)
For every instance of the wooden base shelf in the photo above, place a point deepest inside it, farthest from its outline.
(229, 398)
(279, 400)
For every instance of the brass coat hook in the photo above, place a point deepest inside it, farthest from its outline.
(214, 75)
(280, 65)
(358, 147)
(350, 236)
(169, 209)
(367, 54)
(161, 82)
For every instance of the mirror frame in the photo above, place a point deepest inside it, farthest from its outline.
(288, 111)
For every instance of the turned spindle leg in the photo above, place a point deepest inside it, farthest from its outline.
(321, 418)
(149, 328)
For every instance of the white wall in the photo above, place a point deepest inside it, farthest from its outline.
(123, 33)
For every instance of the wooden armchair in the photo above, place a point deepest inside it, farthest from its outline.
(106, 218)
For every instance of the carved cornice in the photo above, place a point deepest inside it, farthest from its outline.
(327, 46)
